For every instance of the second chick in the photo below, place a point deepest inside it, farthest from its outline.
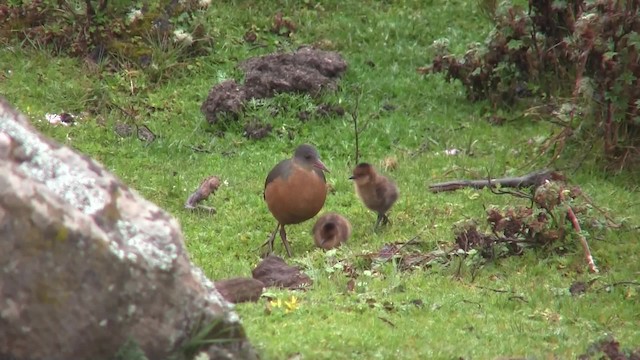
(376, 191)
(331, 230)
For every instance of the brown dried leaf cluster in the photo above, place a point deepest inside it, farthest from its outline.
(589, 49)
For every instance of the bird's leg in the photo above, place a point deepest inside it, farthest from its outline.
(382, 218)
(283, 236)
(271, 239)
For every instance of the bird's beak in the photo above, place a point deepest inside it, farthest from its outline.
(352, 177)
(320, 166)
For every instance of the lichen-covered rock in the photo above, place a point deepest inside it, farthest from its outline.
(87, 264)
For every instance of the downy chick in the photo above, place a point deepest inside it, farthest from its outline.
(376, 191)
(331, 230)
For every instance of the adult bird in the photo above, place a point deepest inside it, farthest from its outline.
(295, 191)
(376, 191)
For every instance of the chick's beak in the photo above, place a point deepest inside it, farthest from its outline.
(321, 166)
(352, 177)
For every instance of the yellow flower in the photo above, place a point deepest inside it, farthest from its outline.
(291, 305)
(276, 303)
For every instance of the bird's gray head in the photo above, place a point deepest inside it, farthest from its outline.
(308, 155)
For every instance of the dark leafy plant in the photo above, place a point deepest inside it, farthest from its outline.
(129, 32)
(585, 52)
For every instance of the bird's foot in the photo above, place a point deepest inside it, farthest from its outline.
(283, 236)
(382, 218)
(269, 243)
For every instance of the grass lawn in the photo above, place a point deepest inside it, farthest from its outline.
(424, 313)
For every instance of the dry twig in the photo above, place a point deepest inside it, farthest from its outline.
(533, 179)
(583, 241)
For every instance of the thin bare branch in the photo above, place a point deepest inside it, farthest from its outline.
(532, 179)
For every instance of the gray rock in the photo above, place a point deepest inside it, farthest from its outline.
(87, 265)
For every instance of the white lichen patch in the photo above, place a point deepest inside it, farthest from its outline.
(11, 267)
(132, 256)
(154, 246)
(115, 249)
(5, 145)
(10, 311)
(60, 169)
(74, 179)
(47, 209)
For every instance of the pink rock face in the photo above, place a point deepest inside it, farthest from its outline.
(87, 264)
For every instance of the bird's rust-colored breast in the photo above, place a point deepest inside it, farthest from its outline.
(297, 197)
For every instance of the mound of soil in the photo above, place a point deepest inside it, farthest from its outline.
(306, 70)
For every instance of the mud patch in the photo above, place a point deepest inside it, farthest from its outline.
(256, 130)
(274, 272)
(225, 99)
(307, 71)
(239, 290)
(321, 111)
(609, 349)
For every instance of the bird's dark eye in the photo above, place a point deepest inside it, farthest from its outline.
(308, 157)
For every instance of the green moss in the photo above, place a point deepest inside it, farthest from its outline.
(62, 235)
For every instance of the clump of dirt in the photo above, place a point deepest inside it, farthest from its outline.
(306, 70)
(238, 290)
(274, 272)
(328, 110)
(250, 36)
(257, 130)
(123, 129)
(226, 98)
(610, 347)
(580, 287)
(322, 111)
